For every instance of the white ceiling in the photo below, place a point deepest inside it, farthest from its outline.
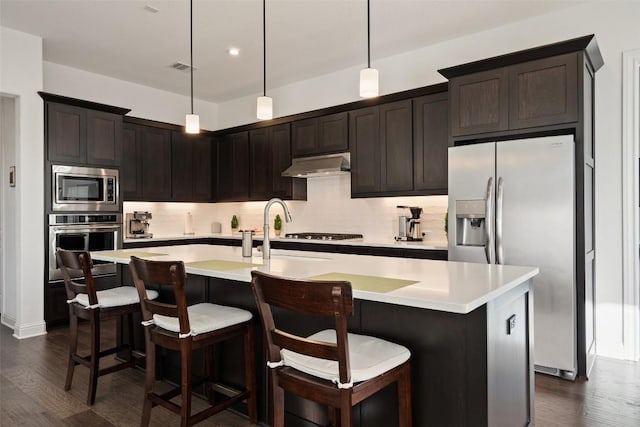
(119, 38)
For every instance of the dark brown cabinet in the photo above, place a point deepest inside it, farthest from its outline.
(270, 155)
(191, 160)
(320, 135)
(146, 171)
(84, 136)
(430, 143)
(233, 167)
(381, 149)
(531, 94)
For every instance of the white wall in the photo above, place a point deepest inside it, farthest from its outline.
(144, 101)
(616, 28)
(21, 77)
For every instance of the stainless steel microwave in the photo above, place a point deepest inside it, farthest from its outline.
(79, 189)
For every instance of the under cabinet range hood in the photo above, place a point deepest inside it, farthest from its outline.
(329, 164)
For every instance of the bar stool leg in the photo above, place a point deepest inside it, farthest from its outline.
(94, 365)
(186, 381)
(345, 408)
(277, 394)
(250, 374)
(73, 350)
(150, 378)
(404, 398)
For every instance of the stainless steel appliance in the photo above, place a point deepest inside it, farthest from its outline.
(513, 202)
(323, 236)
(87, 232)
(409, 228)
(137, 225)
(78, 188)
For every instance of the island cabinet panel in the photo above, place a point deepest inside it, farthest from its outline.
(543, 92)
(232, 183)
(396, 145)
(364, 134)
(430, 143)
(84, 136)
(320, 135)
(480, 102)
(191, 158)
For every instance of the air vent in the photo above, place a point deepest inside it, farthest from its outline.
(180, 66)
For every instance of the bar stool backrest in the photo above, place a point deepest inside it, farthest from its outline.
(78, 261)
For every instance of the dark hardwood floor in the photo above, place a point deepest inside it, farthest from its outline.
(32, 373)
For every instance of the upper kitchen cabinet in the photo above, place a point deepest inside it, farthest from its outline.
(191, 160)
(430, 143)
(146, 169)
(381, 149)
(320, 135)
(534, 90)
(269, 156)
(82, 132)
(232, 183)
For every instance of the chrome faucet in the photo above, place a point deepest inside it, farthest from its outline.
(266, 244)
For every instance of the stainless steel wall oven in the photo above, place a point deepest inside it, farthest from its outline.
(88, 232)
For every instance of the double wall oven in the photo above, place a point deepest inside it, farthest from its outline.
(85, 215)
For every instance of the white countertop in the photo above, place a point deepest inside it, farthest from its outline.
(456, 287)
(359, 242)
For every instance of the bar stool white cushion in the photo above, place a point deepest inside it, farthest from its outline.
(205, 317)
(368, 357)
(116, 297)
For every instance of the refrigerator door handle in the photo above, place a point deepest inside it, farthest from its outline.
(499, 202)
(489, 246)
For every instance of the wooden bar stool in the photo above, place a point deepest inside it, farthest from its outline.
(331, 367)
(87, 303)
(184, 329)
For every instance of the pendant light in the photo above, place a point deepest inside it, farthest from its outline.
(368, 76)
(265, 103)
(192, 121)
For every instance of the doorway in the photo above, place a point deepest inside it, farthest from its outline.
(7, 207)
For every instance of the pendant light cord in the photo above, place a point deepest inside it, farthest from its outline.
(191, 47)
(368, 38)
(264, 48)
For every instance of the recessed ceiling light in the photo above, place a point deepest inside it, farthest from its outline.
(151, 9)
(233, 51)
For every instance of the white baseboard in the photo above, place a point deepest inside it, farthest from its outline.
(8, 321)
(30, 330)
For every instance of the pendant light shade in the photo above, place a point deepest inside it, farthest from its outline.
(368, 76)
(264, 109)
(192, 121)
(368, 82)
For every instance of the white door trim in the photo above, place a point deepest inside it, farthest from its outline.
(630, 202)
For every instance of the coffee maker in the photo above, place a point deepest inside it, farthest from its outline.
(409, 228)
(137, 225)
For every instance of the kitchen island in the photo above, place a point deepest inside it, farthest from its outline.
(467, 326)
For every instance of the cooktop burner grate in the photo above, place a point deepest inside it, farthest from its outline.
(323, 236)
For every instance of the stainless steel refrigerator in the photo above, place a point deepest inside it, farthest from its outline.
(513, 202)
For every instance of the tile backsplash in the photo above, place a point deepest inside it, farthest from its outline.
(329, 208)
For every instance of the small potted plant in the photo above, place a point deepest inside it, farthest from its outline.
(277, 224)
(234, 224)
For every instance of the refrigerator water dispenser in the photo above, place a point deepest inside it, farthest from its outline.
(470, 222)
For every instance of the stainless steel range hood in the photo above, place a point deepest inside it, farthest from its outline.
(309, 167)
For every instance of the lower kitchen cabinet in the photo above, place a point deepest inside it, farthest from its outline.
(191, 165)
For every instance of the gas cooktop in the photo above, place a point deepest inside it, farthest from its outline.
(323, 236)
